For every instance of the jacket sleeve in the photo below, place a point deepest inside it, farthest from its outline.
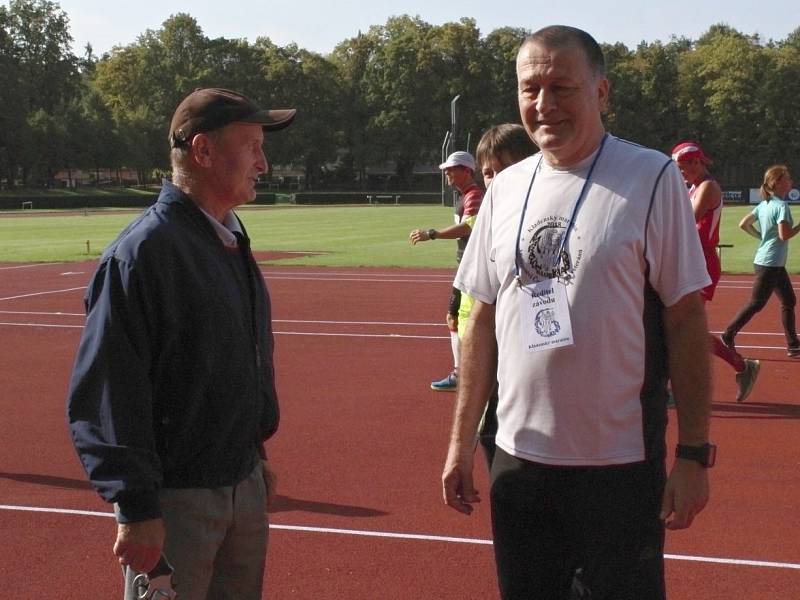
(270, 412)
(109, 405)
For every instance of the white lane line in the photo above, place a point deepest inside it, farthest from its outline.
(741, 333)
(48, 325)
(30, 312)
(366, 323)
(309, 333)
(383, 534)
(57, 511)
(364, 335)
(43, 293)
(313, 321)
(413, 536)
(393, 323)
(362, 274)
(33, 266)
(735, 561)
(358, 279)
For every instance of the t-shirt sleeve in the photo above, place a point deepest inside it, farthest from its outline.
(477, 274)
(677, 264)
(785, 214)
(472, 203)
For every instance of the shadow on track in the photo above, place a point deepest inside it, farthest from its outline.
(287, 504)
(48, 480)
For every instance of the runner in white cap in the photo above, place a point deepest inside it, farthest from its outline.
(459, 169)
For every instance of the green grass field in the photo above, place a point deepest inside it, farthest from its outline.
(347, 236)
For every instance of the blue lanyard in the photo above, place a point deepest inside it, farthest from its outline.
(517, 255)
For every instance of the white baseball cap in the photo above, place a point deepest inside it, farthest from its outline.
(459, 159)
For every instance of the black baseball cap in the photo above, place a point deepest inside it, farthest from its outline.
(207, 109)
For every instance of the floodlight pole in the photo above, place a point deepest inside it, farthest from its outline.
(454, 123)
(454, 138)
(445, 143)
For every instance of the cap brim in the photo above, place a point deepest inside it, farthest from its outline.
(272, 120)
(448, 164)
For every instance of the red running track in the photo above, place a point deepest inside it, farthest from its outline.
(361, 446)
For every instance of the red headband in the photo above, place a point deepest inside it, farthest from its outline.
(689, 150)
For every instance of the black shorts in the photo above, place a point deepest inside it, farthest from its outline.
(578, 533)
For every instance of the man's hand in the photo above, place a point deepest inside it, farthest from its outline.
(685, 495)
(418, 235)
(452, 322)
(271, 481)
(457, 486)
(139, 545)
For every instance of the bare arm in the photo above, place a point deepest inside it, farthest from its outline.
(476, 377)
(452, 232)
(706, 198)
(786, 231)
(747, 225)
(687, 489)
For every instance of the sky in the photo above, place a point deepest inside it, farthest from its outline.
(319, 25)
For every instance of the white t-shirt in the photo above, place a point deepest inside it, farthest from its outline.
(584, 404)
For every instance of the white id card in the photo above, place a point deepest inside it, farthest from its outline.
(545, 318)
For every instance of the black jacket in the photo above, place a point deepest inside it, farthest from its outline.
(173, 384)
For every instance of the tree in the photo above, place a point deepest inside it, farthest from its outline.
(643, 107)
(143, 83)
(310, 83)
(351, 59)
(399, 83)
(499, 72)
(720, 86)
(38, 74)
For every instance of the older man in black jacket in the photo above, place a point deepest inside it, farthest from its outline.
(173, 389)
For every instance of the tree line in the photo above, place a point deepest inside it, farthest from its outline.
(379, 98)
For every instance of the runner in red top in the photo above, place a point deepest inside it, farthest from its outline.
(706, 197)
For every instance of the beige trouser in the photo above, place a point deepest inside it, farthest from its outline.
(216, 540)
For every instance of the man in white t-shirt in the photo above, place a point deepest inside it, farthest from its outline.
(586, 268)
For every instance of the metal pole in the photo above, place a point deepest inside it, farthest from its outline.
(444, 158)
(454, 139)
(454, 123)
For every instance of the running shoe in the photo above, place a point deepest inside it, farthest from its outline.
(448, 384)
(793, 351)
(747, 379)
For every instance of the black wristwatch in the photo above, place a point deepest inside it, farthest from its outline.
(706, 454)
(432, 234)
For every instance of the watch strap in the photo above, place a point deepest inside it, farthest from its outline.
(705, 454)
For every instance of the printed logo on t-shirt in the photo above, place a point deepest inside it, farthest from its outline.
(544, 253)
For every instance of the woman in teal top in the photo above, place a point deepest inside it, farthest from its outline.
(774, 230)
